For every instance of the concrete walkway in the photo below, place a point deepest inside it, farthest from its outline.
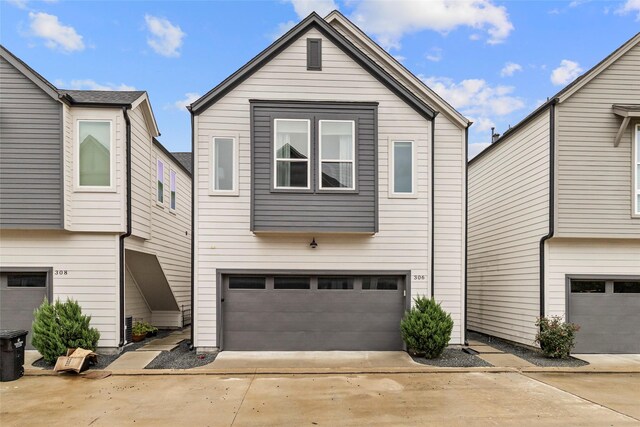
(610, 360)
(311, 360)
(440, 399)
(498, 357)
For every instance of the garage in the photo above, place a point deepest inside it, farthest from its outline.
(608, 312)
(312, 312)
(21, 292)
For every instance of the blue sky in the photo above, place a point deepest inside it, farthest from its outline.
(493, 60)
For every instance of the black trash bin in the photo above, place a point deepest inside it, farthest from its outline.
(12, 344)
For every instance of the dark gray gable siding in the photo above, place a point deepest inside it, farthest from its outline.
(30, 153)
(313, 210)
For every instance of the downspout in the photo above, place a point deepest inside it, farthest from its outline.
(193, 214)
(466, 225)
(433, 209)
(128, 232)
(552, 151)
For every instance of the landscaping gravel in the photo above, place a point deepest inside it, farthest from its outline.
(529, 354)
(105, 360)
(181, 358)
(454, 357)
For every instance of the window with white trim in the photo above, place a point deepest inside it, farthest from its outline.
(224, 154)
(636, 171)
(291, 153)
(95, 153)
(173, 184)
(160, 182)
(403, 168)
(337, 154)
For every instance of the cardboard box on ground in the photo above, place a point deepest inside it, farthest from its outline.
(76, 360)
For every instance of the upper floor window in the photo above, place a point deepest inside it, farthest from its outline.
(160, 182)
(95, 153)
(337, 154)
(173, 189)
(291, 153)
(637, 172)
(224, 167)
(402, 168)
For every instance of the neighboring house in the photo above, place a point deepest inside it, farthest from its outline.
(329, 190)
(554, 215)
(77, 219)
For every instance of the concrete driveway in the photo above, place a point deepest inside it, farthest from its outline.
(373, 399)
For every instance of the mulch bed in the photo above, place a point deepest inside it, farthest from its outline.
(529, 354)
(181, 358)
(105, 360)
(454, 357)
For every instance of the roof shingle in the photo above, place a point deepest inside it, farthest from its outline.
(104, 97)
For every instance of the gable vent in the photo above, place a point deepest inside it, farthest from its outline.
(314, 54)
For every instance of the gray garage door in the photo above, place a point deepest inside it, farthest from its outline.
(608, 312)
(20, 294)
(312, 312)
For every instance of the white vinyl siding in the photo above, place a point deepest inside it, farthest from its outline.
(90, 261)
(224, 239)
(595, 179)
(508, 215)
(142, 175)
(636, 173)
(337, 152)
(135, 304)
(224, 166)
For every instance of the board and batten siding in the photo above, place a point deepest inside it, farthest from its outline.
(89, 210)
(143, 183)
(508, 215)
(170, 232)
(601, 257)
(31, 187)
(594, 182)
(85, 268)
(449, 186)
(223, 238)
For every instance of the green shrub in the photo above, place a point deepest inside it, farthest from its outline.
(426, 328)
(556, 338)
(59, 326)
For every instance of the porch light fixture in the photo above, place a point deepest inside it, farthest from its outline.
(313, 243)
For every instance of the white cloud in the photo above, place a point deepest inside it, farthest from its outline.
(56, 35)
(566, 72)
(475, 97)
(434, 55)
(483, 124)
(476, 148)
(630, 6)
(166, 39)
(88, 84)
(509, 69)
(22, 4)
(283, 27)
(189, 98)
(391, 20)
(305, 7)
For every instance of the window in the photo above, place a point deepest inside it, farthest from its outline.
(27, 280)
(160, 180)
(588, 286)
(94, 153)
(291, 283)
(380, 283)
(172, 187)
(403, 168)
(314, 54)
(246, 282)
(636, 172)
(626, 287)
(224, 159)
(335, 283)
(291, 153)
(337, 154)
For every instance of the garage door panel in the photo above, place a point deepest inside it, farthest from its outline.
(313, 319)
(609, 322)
